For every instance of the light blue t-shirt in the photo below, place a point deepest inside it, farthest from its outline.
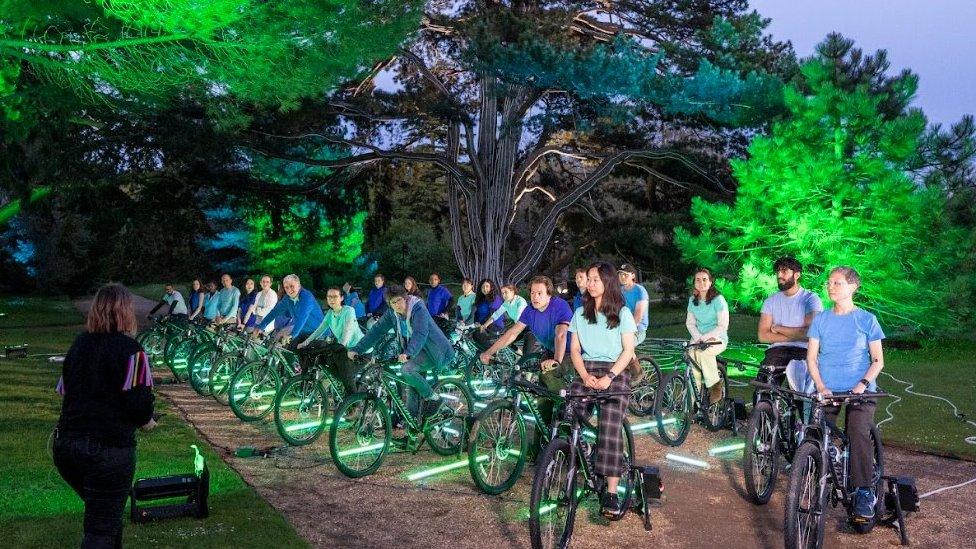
(511, 308)
(706, 314)
(600, 343)
(228, 300)
(632, 297)
(465, 305)
(844, 356)
(791, 312)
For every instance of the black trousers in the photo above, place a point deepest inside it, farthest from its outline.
(779, 358)
(333, 356)
(101, 476)
(860, 419)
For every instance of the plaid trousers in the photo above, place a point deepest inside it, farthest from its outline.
(610, 435)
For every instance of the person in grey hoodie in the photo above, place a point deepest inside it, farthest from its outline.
(425, 347)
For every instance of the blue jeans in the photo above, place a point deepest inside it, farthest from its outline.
(101, 476)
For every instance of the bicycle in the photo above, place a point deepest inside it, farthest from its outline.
(821, 472)
(182, 343)
(680, 401)
(227, 339)
(773, 430)
(361, 431)
(564, 476)
(497, 445)
(302, 406)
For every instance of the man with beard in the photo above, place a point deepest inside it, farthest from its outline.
(785, 317)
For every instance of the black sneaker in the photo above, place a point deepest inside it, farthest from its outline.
(610, 507)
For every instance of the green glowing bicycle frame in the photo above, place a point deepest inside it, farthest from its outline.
(360, 434)
(253, 387)
(564, 476)
(681, 400)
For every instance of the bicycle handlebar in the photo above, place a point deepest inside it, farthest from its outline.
(845, 395)
(702, 345)
(601, 395)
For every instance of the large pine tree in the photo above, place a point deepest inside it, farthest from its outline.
(832, 186)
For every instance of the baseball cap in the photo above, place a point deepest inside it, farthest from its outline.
(628, 268)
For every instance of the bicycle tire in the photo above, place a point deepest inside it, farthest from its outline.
(554, 499)
(302, 409)
(253, 390)
(643, 399)
(355, 442)
(497, 447)
(448, 431)
(483, 380)
(673, 409)
(806, 489)
(198, 367)
(719, 415)
(760, 459)
(218, 379)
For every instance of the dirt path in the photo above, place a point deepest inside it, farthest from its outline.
(702, 508)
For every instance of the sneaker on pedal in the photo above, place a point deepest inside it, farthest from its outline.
(864, 502)
(610, 507)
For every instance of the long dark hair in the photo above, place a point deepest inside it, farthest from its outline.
(613, 298)
(712, 292)
(481, 297)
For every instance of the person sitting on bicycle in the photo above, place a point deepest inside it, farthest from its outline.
(708, 320)
(512, 305)
(465, 302)
(264, 300)
(351, 298)
(210, 310)
(376, 301)
(247, 305)
(603, 334)
(425, 347)
(548, 320)
(197, 297)
(784, 319)
(845, 355)
(635, 295)
(228, 299)
(438, 298)
(339, 323)
(300, 306)
(174, 300)
(580, 279)
(410, 285)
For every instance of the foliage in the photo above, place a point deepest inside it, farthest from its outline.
(831, 186)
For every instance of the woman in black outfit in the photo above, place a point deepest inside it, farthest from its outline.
(106, 383)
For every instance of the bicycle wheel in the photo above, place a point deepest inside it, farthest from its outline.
(301, 410)
(153, 342)
(673, 409)
(806, 499)
(861, 526)
(555, 497)
(446, 431)
(253, 389)
(483, 380)
(718, 415)
(497, 448)
(198, 368)
(760, 461)
(360, 435)
(223, 367)
(644, 392)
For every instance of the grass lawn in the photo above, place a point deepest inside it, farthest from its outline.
(39, 510)
(940, 367)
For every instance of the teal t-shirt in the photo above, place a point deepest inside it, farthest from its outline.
(600, 343)
(341, 326)
(706, 314)
(465, 304)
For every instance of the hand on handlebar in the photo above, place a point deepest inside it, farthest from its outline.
(859, 388)
(824, 393)
(547, 365)
(484, 357)
(352, 355)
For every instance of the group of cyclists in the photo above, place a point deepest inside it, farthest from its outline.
(588, 339)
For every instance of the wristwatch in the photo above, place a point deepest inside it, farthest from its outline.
(611, 375)
(865, 382)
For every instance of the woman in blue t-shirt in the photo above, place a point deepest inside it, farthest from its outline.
(708, 320)
(603, 339)
(844, 354)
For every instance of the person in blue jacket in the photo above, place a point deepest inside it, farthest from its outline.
(376, 301)
(300, 305)
(439, 298)
(425, 347)
(353, 300)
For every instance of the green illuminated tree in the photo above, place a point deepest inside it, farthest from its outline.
(832, 185)
(526, 107)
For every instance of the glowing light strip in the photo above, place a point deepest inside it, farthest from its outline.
(361, 450)
(687, 460)
(306, 425)
(443, 468)
(727, 448)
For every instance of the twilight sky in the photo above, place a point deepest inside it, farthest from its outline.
(933, 38)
